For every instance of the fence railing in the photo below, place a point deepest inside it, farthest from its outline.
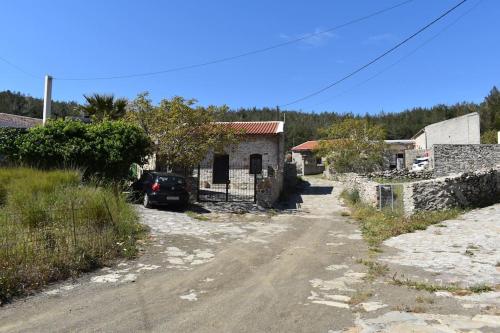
(390, 197)
(238, 183)
(54, 234)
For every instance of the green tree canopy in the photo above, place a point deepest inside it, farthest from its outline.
(353, 145)
(183, 133)
(105, 149)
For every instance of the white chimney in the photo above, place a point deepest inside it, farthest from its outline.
(47, 99)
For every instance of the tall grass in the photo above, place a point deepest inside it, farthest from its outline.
(379, 225)
(52, 227)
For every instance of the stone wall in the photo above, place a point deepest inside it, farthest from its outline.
(290, 177)
(269, 190)
(366, 188)
(467, 190)
(450, 159)
(269, 146)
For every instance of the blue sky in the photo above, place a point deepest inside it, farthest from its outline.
(100, 38)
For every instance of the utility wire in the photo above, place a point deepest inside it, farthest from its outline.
(237, 56)
(409, 54)
(19, 68)
(317, 92)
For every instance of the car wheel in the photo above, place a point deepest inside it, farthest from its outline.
(146, 202)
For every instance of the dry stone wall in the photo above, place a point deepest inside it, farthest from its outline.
(366, 188)
(449, 159)
(467, 190)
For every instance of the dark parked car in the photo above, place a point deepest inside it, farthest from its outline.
(159, 188)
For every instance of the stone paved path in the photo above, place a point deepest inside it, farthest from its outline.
(465, 250)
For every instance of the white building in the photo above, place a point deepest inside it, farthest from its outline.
(459, 130)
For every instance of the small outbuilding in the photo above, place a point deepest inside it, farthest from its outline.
(306, 160)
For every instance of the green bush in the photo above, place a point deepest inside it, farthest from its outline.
(9, 145)
(106, 149)
(53, 227)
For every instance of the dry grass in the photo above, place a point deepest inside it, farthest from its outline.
(53, 227)
(378, 226)
(360, 297)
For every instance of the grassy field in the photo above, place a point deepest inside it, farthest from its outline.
(379, 225)
(52, 227)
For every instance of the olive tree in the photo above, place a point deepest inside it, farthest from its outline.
(353, 145)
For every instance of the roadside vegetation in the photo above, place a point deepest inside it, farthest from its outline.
(53, 227)
(379, 225)
(431, 287)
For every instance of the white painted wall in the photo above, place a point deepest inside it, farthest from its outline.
(420, 142)
(460, 130)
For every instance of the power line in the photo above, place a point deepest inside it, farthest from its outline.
(409, 54)
(237, 56)
(317, 92)
(20, 69)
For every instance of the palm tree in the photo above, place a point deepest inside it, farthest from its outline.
(102, 107)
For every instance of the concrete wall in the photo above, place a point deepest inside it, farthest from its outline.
(459, 130)
(467, 190)
(450, 159)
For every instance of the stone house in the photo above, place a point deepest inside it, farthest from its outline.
(258, 158)
(306, 160)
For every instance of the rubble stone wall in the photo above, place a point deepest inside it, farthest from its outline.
(466, 190)
(449, 159)
(366, 188)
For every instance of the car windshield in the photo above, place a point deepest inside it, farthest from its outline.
(171, 180)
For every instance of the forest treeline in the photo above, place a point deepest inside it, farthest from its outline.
(303, 126)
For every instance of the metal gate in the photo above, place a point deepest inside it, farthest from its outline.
(390, 196)
(224, 181)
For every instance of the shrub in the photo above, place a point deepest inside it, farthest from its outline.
(9, 145)
(106, 149)
(53, 227)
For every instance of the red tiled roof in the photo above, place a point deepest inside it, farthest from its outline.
(308, 145)
(256, 127)
(15, 121)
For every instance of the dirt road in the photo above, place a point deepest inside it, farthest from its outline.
(292, 272)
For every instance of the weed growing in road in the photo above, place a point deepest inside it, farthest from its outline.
(359, 297)
(375, 269)
(430, 287)
(197, 216)
(407, 308)
(423, 299)
(378, 226)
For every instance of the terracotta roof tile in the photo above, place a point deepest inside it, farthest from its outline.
(308, 145)
(256, 127)
(15, 121)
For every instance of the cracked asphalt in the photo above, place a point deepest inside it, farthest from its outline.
(287, 272)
